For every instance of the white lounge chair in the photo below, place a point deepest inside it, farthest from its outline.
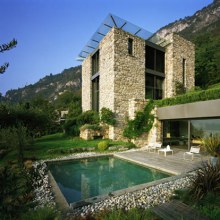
(154, 146)
(165, 150)
(193, 151)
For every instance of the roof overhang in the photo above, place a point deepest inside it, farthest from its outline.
(110, 22)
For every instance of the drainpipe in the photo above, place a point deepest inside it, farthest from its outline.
(189, 134)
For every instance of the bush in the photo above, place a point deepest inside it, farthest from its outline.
(107, 116)
(88, 117)
(71, 127)
(44, 213)
(103, 145)
(190, 97)
(130, 145)
(206, 179)
(92, 127)
(142, 122)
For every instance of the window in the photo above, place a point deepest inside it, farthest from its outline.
(95, 94)
(130, 46)
(154, 59)
(184, 71)
(153, 86)
(95, 63)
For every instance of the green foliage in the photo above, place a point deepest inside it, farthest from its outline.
(130, 145)
(35, 119)
(15, 191)
(207, 66)
(210, 205)
(190, 97)
(107, 116)
(3, 48)
(206, 179)
(143, 122)
(212, 145)
(88, 117)
(72, 126)
(103, 145)
(45, 213)
(132, 214)
(94, 127)
(15, 138)
(180, 89)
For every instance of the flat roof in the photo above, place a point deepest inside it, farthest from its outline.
(110, 22)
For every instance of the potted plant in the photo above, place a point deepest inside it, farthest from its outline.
(212, 146)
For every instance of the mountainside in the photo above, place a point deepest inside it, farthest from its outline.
(48, 87)
(204, 20)
(203, 29)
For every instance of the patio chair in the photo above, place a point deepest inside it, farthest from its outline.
(193, 151)
(165, 150)
(155, 146)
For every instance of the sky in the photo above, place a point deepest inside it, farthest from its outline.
(51, 33)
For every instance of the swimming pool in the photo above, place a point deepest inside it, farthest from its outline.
(85, 178)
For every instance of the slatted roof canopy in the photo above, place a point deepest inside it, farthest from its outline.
(110, 22)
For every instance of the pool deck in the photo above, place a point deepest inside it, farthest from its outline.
(174, 164)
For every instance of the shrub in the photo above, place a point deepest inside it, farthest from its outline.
(142, 122)
(206, 179)
(88, 117)
(130, 145)
(190, 97)
(103, 145)
(71, 127)
(44, 213)
(94, 127)
(212, 145)
(107, 116)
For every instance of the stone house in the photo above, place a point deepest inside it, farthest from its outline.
(124, 66)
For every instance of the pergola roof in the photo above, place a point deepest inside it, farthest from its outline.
(110, 22)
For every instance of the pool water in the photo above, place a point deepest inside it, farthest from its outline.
(86, 178)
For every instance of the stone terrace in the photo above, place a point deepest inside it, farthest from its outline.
(174, 164)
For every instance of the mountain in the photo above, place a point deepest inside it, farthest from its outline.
(204, 20)
(49, 87)
(203, 29)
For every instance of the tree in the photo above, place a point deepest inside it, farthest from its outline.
(3, 48)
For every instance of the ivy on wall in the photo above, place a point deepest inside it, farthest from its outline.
(143, 122)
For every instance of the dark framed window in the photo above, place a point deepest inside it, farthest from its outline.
(153, 86)
(154, 59)
(130, 46)
(95, 94)
(95, 63)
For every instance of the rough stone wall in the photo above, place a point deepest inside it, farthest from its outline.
(86, 84)
(135, 105)
(177, 50)
(129, 75)
(106, 69)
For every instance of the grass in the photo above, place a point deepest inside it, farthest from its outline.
(56, 145)
(209, 206)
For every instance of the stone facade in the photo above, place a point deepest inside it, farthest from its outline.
(122, 77)
(178, 49)
(87, 84)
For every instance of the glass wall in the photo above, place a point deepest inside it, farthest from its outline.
(204, 128)
(95, 94)
(177, 132)
(153, 87)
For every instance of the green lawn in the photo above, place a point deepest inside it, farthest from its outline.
(56, 145)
